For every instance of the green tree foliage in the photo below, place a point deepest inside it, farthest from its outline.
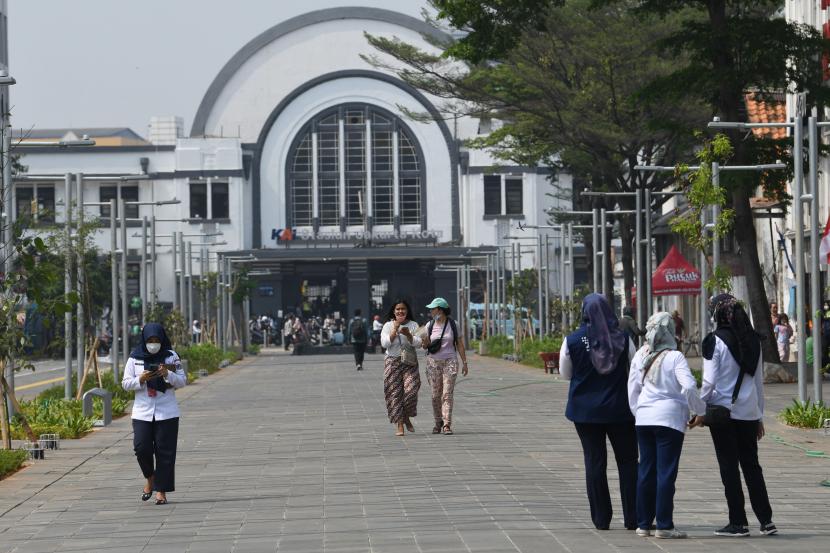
(566, 91)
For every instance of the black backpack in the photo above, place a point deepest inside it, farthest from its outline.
(357, 330)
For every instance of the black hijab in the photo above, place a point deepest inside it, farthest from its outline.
(732, 325)
(153, 330)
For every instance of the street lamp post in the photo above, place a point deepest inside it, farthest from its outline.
(80, 328)
(67, 288)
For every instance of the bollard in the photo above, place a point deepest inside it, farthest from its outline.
(87, 406)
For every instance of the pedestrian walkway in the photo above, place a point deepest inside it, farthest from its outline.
(294, 453)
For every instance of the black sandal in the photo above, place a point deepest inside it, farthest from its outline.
(146, 495)
(447, 430)
(161, 501)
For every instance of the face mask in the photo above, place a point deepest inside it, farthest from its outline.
(436, 318)
(153, 348)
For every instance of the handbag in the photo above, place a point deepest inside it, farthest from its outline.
(717, 415)
(435, 345)
(408, 354)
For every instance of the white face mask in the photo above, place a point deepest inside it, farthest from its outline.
(436, 318)
(153, 348)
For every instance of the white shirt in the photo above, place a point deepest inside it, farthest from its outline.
(670, 399)
(566, 366)
(164, 405)
(377, 325)
(393, 348)
(719, 377)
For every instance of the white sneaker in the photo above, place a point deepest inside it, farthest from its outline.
(672, 534)
(643, 532)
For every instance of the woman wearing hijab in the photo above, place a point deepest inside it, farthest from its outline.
(401, 380)
(154, 372)
(595, 359)
(662, 393)
(733, 384)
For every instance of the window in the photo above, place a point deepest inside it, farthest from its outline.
(36, 201)
(220, 206)
(343, 160)
(128, 194)
(198, 200)
(217, 191)
(492, 194)
(513, 196)
(496, 188)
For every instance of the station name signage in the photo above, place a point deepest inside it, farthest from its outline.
(357, 235)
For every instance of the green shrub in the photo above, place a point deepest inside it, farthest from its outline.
(205, 356)
(474, 344)
(499, 345)
(232, 356)
(53, 417)
(805, 415)
(698, 374)
(529, 350)
(11, 460)
(253, 349)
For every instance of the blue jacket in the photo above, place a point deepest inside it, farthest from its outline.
(593, 397)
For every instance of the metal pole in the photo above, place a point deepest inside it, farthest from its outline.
(798, 225)
(487, 299)
(67, 288)
(548, 321)
(606, 258)
(595, 223)
(219, 302)
(204, 293)
(815, 274)
(648, 262)
(513, 296)
(638, 259)
(562, 278)
(153, 294)
(114, 290)
(144, 272)
(703, 316)
(571, 269)
(541, 307)
(125, 328)
(175, 274)
(182, 293)
(190, 290)
(8, 232)
(80, 327)
(715, 217)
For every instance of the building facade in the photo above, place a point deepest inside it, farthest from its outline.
(303, 156)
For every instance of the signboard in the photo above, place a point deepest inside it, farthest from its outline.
(308, 235)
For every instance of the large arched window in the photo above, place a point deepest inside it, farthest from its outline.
(355, 164)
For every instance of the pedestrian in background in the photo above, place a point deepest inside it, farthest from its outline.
(783, 332)
(735, 411)
(401, 380)
(358, 337)
(679, 329)
(662, 393)
(377, 326)
(287, 331)
(629, 325)
(443, 344)
(595, 358)
(154, 372)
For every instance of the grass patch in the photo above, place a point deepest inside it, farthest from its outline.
(805, 415)
(254, 349)
(529, 350)
(11, 460)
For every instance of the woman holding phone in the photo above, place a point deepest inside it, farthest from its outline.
(401, 380)
(154, 372)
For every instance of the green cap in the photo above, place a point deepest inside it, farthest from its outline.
(438, 302)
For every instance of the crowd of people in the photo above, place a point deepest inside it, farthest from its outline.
(641, 399)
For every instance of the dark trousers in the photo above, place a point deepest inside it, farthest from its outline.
(359, 352)
(736, 443)
(660, 449)
(624, 442)
(154, 443)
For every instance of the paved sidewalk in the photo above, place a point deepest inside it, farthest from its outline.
(285, 453)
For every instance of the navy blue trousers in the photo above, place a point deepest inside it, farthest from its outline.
(624, 442)
(154, 443)
(660, 449)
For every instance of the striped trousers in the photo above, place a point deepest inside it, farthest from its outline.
(400, 386)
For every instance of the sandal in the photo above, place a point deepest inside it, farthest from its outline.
(146, 495)
(161, 501)
(436, 429)
(447, 429)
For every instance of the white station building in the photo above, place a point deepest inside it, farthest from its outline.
(299, 137)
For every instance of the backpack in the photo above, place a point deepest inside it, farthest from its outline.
(357, 330)
(452, 327)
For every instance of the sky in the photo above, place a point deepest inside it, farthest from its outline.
(116, 63)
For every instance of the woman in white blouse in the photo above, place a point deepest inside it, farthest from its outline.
(154, 372)
(662, 394)
(401, 380)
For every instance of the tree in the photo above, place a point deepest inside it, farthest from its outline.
(730, 47)
(565, 86)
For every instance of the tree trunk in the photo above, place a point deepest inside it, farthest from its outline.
(8, 392)
(759, 305)
(5, 431)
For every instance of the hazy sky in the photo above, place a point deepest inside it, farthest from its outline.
(116, 63)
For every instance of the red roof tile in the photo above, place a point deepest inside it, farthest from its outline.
(767, 108)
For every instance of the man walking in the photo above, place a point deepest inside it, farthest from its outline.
(358, 337)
